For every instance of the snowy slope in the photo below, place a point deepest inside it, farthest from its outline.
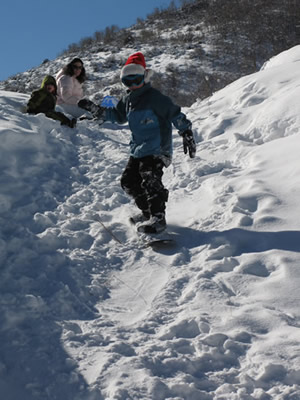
(87, 315)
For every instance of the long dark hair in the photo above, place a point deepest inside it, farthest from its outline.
(69, 70)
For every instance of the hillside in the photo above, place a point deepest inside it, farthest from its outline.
(195, 49)
(87, 314)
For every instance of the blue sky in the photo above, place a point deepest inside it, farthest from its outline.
(34, 30)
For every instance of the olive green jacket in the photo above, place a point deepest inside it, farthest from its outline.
(42, 101)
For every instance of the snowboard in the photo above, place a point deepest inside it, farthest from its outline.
(95, 109)
(159, 243)
(163, 240)
(109, 102)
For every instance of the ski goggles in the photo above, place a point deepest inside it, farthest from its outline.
(133, 80)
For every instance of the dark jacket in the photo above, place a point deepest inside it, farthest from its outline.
(42, 101)
(150, 115)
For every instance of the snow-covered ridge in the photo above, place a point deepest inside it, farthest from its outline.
(84, 317)
(194, 50)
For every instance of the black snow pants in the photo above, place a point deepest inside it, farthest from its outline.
(142, 179)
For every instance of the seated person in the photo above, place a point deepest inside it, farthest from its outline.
(69, 87)
(43, 101)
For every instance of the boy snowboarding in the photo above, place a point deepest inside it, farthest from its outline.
(150, 115)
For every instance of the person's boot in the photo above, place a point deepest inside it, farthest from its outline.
(156, 224)
(94, 109)
(73, 123)
(140, 218)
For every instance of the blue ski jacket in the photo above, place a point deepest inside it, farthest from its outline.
(150, 115)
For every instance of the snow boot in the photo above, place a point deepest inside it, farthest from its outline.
(73, 123)
(156, 224)
(94, 109)
(140, 218)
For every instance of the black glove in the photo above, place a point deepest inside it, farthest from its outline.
(188, 142)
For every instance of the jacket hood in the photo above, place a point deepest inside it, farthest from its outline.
(49, 80)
